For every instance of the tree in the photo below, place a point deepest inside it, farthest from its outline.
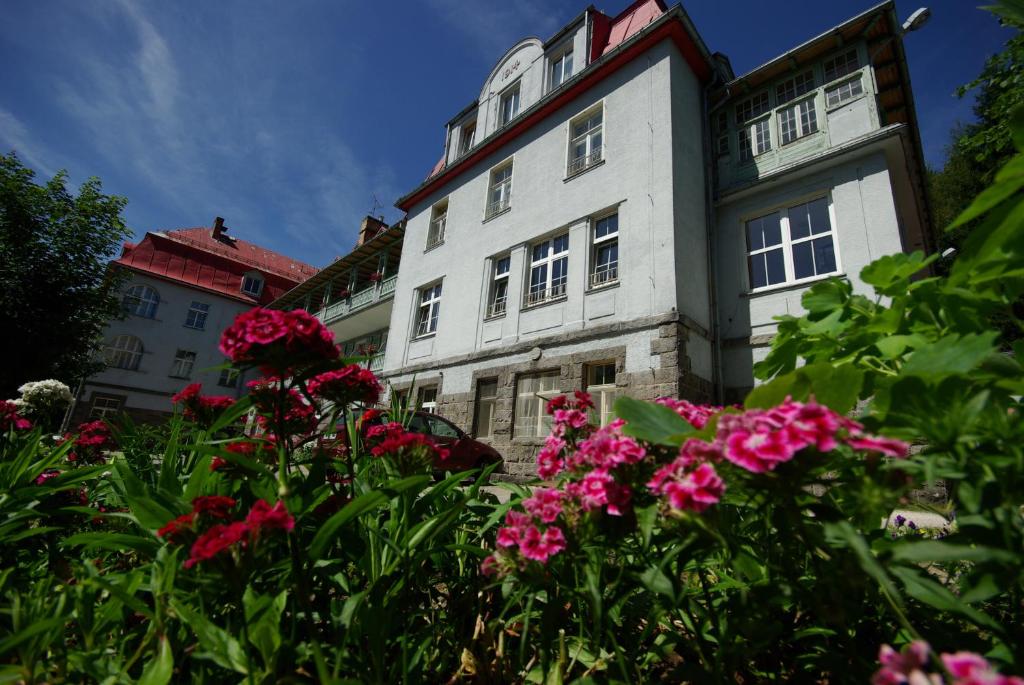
(56, 291)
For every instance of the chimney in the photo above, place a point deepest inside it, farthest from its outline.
(219, 229)
(370, 227)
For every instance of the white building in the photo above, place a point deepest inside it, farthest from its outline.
(617, 212)
(182, 289)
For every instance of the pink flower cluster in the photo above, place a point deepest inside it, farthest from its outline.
(392, 440)
(529, 536)
(90, 441)
(201, 409)
(690, 482)
(697, 415)
(221, 537)
(10, 418)
(346, 385)
(286, 412)
(277, 339)
(910, 667)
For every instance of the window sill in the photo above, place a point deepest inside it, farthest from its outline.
(802, 139)
(604, 286)
(495, 317)
(425, 336)
(544, 303)
(844, 103)
(780, 287)
(577, 174)
(193, 328)
(433, 247)
(497, 214)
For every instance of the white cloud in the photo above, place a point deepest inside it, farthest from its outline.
(495, 28)
(15, 136)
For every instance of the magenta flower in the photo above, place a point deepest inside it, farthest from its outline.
(545, 504)
(697, 415)
(540, 546)
(890, 447)
(688, 490)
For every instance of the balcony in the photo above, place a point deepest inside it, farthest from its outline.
(584, 162)
(361, 300)
(496, 308)
(604, 274)
(500, 205)
(536, 296)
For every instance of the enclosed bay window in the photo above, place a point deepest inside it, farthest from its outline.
(140, 300)
(841, 65)
(497, 299)
(428, 310)
(184, 360)
(586, 141)
(755, 139)
(499, 193)
(509, 106)
(438, 219)
(549, 270)
(123, 352)
(791, 245)
(197, 314)
(794, 87)
(486, 401)
(798, 120)
(752, 108)
(560, 70)
(837, 95)
(605, 256)
(602, 389)
(532, 394)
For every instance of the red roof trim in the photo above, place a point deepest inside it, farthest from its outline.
(671, 29)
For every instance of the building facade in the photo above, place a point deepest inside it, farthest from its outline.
(182, 289)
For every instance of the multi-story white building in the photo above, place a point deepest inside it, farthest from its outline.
(183, 288)
(617, 212)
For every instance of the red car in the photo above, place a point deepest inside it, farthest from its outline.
(464, 451)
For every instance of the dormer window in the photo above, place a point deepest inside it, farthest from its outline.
(466, 137)
(252, 284)
(509, 104)
(560, 70)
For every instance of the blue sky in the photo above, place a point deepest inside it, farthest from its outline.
(286, 118)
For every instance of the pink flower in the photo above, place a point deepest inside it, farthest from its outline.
(217, 539)
(761, 451)
(573, 418)
(277, 339)
(697, 415)
(47, 475)
(556, 403)
(899, 667)
(346, 385)
(392, 440)
(515, 523)
(549, 461)
(583, 400)
(264, 517)
(541, 546)
(176, 529)
(10, 418)
(890, 447)
(599, 489)
(216, 506)
(545, 504)
(685, 490)
(202, 410)
(607, 448)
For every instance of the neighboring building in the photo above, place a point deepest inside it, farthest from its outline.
(352, 296)
(617, 212)
(183, 289)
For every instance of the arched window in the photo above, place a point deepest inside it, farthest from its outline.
(141, 300)
(124, 352)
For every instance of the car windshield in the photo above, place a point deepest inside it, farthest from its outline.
(441, 428)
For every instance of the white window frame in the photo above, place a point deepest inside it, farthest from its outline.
(497, 296)
(228, 378)
(840, 69)
(534, 423)
(843, 91)
(557, 65)
(593, 151)
(551, 290)
(197, 315)
(249, 289)
(503, 203)
(124, 352)
(438, 220)
(184, 363)
(422, 401)
(752, 108)
(602, 394)
(428, 310)
(466, 141)
(795, 86)
(609, 274)
(513, 93)
(141, 300)
(483, 411)
(804, 115)
(755, 138)
(102, 412)
(787, 243)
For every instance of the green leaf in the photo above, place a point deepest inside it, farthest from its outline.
(936, 550)
(218, 644)
(263, 619)
(159, 670)
(115, 542)
(890, 275)
(655, 580)
(939, 597)
(836, 387)
(843, 532)
(652, 422)
(827, 295)
(949, 356)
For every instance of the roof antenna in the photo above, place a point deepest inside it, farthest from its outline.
(376, 205)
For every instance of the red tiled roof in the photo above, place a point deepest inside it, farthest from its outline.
(630, 21)
(437, 167)
(193, 257)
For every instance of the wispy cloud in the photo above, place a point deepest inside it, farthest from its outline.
(494, 28)
(15, 136)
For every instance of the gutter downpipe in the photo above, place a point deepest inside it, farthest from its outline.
(709, 213)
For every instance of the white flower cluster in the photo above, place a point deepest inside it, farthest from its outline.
(45, 395)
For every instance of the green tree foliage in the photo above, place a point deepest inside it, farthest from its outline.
(56, 292)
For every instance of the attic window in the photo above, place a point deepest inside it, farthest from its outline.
(252, 284)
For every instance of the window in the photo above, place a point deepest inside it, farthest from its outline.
(752, 108)
(561, 70)
(141, 300)
(585, 147)
(228, 378)
(791, 245)
(532, 393)
(197, 316)
(426, 399)
(442, 429)
(605, 259)
(841, 65)
(429, 308)
(486, 401)
(252, 284)
(755, 139)
(602, 389)
(843, 92)
(798, 120)
(499, 195)
(184, 360)
(509, 105)
(549, 270)
(466, 137)
(438, 218)
(124, 352)
(104, 406)
(794, 87)
(497, 301)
